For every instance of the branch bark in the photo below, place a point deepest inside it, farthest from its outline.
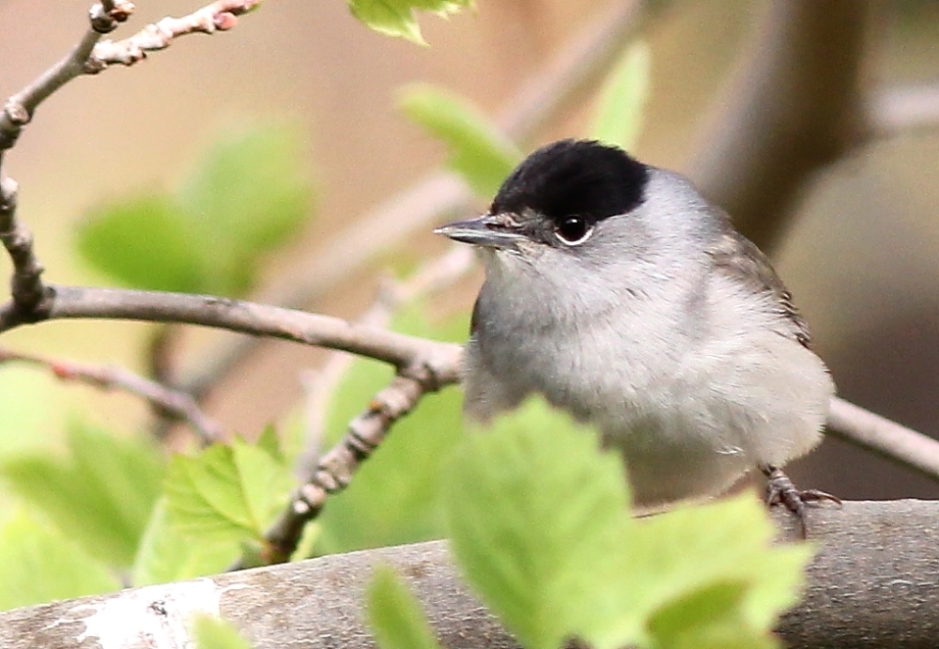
(69, 302)
(872, 585)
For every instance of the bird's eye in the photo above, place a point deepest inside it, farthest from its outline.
(573, 230)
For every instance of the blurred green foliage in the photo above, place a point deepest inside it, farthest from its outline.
(247, 195)
(396, 17)
(214, 633)
(619, 108)
(38, 564)
(395, 616)
(479, 151)
(99, 493)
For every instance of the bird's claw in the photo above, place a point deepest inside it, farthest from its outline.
(781, 491)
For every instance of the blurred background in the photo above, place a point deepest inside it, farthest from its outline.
(856, 237)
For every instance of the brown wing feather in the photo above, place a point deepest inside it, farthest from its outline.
(736, 255)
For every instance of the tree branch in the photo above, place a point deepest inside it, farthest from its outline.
(431, 277)
(177, 405)
(70, 302)
(216, 16)
(26, 286)
(90, 56)
(884, 437)
(336, 469)
(872, 585)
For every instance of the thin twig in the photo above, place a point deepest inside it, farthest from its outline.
(175, 404)
(26, 287)
(884, 437)
(214, 17)
(336, 469)
(19, 108)
(581, 61)
(430, 278)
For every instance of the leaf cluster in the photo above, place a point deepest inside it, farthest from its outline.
(539, 523)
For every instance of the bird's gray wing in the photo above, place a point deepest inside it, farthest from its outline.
(736, 255)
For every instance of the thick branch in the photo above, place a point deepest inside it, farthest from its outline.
(873, 585)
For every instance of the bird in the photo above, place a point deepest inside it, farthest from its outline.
(619, 294)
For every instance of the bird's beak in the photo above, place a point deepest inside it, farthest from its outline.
(489, 230)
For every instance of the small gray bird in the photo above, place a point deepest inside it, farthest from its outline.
(618, 293)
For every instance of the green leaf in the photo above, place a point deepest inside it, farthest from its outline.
(166, 554)
(270, 443)
(144, 242)
(396, 17)
(478, 150)
(395, 616)
(707, 619)
(394, 497)
(227, 493)
(38, 564)
(248, 194)
(101, 494)
(33, 402)
(539, 524)
(619, 110)
(530, 506)
(214, 633)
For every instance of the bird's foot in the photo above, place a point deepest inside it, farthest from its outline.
(781, 491)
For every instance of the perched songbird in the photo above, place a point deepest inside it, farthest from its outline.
(616, 291)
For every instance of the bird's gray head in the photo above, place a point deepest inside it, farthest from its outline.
(578, 208)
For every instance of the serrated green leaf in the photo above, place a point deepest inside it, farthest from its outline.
(214, 633)
(394, 497)
(144, 242)
(166, 554)
(529, 507)
(100, 494)
(227, 493)
(622, 100)
(478, 150)
(691, 548)
(38, 564)
(539, 525)
(396, 17)
(395, 616)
